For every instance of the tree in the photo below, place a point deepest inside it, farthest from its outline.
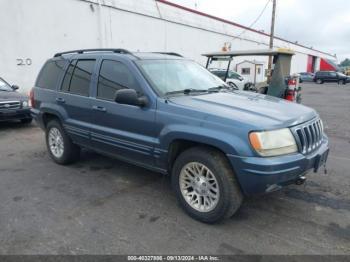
(345, 62)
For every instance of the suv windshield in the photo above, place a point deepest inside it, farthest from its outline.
(5, 86)
(178, 76)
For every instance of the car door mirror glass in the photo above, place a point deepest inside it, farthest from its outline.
(130, 97)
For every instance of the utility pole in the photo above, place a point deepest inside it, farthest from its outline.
(272, 33)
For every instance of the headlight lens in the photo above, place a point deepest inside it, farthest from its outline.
(273, 143)
(25, 104)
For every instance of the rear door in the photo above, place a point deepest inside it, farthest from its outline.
(74, 98)
(122, 130)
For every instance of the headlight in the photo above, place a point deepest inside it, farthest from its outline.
(273, 143)
(25, 104)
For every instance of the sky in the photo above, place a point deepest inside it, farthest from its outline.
(321, 24)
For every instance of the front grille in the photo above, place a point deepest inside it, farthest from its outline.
(309, 136)
(8, 105)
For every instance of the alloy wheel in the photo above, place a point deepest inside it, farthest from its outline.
(56, 143)
(199, 187)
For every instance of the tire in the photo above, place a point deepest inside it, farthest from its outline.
(215, 164)
(26, 121)
(319, 81)
(66, 151)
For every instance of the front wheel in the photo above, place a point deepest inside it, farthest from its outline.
(61, 149)
(319, 81)
(205, 185)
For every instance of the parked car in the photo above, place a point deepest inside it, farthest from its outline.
(306, 77)
(234, 79)
(170, 115)
(330, 76)
(13, 105)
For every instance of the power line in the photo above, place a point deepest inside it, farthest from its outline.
(256, 20)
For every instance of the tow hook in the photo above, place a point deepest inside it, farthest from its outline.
(301, 180)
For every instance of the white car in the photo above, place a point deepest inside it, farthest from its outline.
(233, 79)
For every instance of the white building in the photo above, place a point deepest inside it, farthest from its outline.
(33, 30)
(252, 70)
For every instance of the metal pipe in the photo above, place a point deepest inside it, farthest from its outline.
(272, 33)
(228, 68)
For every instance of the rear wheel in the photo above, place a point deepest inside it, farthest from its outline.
(61, 149)
(344, 82)
(319, 81)
(205, 185)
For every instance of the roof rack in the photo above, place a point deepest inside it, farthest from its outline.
(81, 51)
(168, 53)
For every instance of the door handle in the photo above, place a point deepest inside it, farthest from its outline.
(60, 100)
(99, 108)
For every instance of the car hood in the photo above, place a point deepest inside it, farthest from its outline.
(7, 96)
(258, 111)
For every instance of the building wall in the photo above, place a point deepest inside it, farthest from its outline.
(33, 30)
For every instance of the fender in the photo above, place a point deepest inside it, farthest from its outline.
(54, 110)
(227, 143)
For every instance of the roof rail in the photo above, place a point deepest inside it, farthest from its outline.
(168, 53)
(81, 51)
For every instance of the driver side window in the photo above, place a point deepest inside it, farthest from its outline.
(114, 76)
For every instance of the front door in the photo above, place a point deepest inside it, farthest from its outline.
(125, 131)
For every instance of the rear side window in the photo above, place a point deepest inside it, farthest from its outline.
(50, 74)
(68, 77)
(78, 77)
(114, 76)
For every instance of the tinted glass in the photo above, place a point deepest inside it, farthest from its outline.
(80, 82)
(67, 78)
(114, 76)
(234, 75)
(50, 74)
(219, 74)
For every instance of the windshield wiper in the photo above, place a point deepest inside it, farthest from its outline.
(186, 91)
(218, 88)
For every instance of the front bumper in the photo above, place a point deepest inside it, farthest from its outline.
(258, 175)
(18, 114)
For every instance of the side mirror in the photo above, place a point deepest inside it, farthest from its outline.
(129, 97)
(14, 87)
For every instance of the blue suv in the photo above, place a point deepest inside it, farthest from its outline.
(168, 114)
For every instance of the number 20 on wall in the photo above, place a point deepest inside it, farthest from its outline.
(24, 62)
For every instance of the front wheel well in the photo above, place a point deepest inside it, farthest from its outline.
(178, 146)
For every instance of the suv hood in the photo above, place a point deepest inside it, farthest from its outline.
(259, 111)
(7, 96)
